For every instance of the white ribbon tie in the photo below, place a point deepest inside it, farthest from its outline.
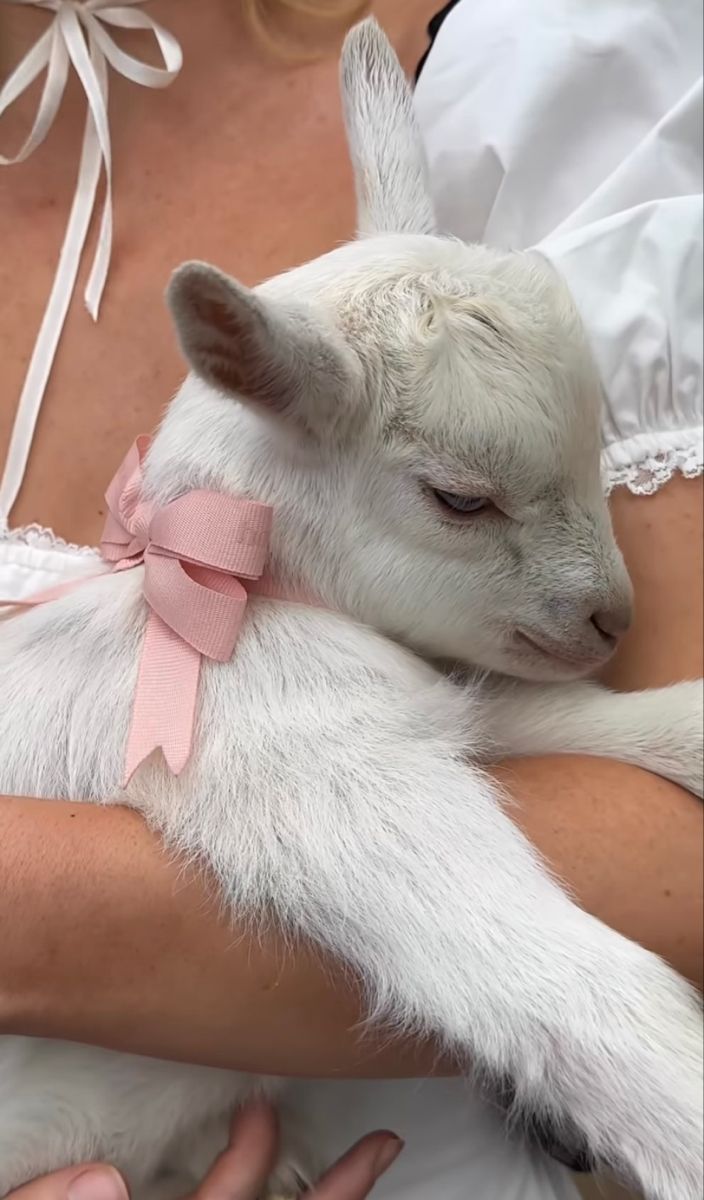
(79, 34)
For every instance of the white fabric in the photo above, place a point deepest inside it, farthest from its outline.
(77, 35)
(572, 124)
(33, 559)
(576, 127)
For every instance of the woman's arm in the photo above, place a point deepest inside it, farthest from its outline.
(107, 941)
(103, 939)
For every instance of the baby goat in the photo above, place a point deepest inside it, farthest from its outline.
(423, 416)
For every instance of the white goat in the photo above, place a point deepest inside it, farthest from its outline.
(424, 417)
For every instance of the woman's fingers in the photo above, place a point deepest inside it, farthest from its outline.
(354, 1175)
(241, 1171)
(75, 1183)
(243, 1168)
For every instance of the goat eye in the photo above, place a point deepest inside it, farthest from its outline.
(465, 506)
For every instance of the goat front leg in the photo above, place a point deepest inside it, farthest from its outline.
(661, 730)
(404, 865)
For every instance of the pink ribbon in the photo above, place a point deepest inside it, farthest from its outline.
(196, 550)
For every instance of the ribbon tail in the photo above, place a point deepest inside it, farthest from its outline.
(52, 324)
(91, 69)
(101, 260)
(163, 712)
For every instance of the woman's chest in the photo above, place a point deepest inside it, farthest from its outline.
(239, 161)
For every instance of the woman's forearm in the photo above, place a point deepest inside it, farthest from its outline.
(104, 939)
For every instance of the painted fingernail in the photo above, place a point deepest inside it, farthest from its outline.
(97, 1183)
(388, 1152)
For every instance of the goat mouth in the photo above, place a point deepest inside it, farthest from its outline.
(558, 653)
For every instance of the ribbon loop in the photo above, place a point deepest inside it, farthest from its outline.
(206, 611)
(48, 52)
(238, 545)
(80, 35)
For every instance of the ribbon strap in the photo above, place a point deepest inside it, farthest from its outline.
(78, 36)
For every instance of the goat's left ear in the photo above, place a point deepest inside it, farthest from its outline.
(260, 351)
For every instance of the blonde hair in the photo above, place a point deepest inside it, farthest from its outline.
(272, 20)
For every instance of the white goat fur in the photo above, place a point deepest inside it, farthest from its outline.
(334, 785)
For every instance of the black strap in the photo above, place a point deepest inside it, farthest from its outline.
(560, 1140)
(433, 31)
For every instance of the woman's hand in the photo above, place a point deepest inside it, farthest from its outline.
(239, 1173)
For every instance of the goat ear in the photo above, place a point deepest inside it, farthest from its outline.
(384, 141)
(261, 351)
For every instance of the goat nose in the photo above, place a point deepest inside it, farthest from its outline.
(613, 622)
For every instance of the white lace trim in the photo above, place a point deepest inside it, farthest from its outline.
(44, 539)
(649, 473)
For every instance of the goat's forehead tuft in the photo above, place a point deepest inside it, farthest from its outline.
(450, 289)
(460, 342)
(390, 286)
(425, 263)
(462, 356)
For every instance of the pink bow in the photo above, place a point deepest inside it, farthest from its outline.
(195, 551)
